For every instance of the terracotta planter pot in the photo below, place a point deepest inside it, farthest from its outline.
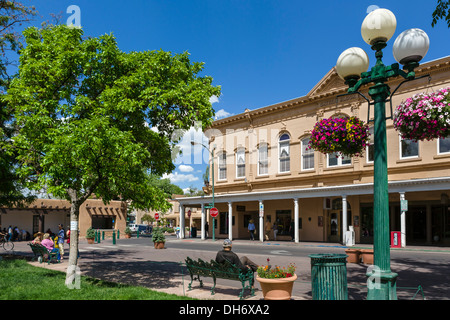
(277, 289)
(367, 256)
(159, 245)
(90, 240)
(127, 235)
(354, 255)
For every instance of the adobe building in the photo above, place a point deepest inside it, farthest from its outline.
(264, 172)
(47, 214)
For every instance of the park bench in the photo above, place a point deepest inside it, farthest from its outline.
(41, 253)
(216, 270)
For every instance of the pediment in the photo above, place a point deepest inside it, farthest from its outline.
(329, 83)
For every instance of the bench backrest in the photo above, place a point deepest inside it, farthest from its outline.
(219, 270)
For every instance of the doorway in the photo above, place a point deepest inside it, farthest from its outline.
(334, 221)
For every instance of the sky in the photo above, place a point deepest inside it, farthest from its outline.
(260, 52)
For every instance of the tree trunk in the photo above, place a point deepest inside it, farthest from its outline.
(72, 267)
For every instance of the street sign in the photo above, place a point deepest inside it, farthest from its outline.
(157, 216)
(189, 213)
(214, 212)
(404, 205)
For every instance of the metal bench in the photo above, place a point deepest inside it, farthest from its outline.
(216, 270)
(41, 253)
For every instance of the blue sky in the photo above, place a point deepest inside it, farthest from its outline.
(260, 51)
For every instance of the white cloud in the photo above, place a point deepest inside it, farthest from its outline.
(213, 99)
(177, 177)
(184, 168)
(222, 114)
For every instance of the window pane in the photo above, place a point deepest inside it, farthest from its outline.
(346, 160)
(332, 159)
(409, 148)
(307, 155)
(444, 145)
(223, 166)
(262, 160)
(240, 163)
(284, 154)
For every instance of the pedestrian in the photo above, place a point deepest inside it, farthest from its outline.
(61, 234)
(275, 230)
(10, 233)
(206, 229)
(251, 229)
(267, 229)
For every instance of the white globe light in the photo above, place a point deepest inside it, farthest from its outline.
(352, 62)
(411, 46)
(379, 24)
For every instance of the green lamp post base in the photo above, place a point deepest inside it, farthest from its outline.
(381, 285)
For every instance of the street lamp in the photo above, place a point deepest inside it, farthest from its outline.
(409, 48)
(212, 180)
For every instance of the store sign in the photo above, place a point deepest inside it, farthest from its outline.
(404, 205)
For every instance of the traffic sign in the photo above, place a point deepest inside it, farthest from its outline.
(157, 216)
(189, 213)
(214, 212)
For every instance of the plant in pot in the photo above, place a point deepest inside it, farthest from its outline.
(424, 116)
(158, 238)
(127, 233)
(90, 235)
(276, 282)
(342, 135)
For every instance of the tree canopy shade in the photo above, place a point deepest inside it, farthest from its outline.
(85, 112)
(442, 11)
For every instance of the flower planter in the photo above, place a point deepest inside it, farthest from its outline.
(159, 245)
(424, 116)
(367, 256)
(345, 136)
(90, 240)
(127, 235)
(354, 255)
(277, 289)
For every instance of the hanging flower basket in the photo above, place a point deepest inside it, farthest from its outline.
(424, 116)
(345, 136)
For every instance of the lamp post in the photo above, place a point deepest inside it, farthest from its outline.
(409, 48)
(211, 152)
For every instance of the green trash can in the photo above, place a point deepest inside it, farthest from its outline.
(329, 276)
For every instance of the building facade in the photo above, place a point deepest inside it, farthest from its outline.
(264, 171)
(46, 214)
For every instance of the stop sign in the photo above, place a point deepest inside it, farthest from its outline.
(214, 212)
(157, 216)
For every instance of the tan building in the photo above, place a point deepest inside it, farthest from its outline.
(47, 214)
(264, 171)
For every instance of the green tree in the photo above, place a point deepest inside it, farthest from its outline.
(441, 12)
(85, 112)
(12, 14)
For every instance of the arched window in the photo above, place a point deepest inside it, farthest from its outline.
(284, 153)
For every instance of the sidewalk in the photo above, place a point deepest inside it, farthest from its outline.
(162, 270)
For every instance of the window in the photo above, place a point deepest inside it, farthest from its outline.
(444, 145)
(263, 164)
(222, 166)
(334, 160)
(240, 163)
(284, 153)
(370, 149)
(307, 155)
(408, 148)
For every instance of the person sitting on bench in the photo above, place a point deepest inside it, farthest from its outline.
(242, 263)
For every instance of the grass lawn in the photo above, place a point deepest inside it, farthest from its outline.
(22, 281)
